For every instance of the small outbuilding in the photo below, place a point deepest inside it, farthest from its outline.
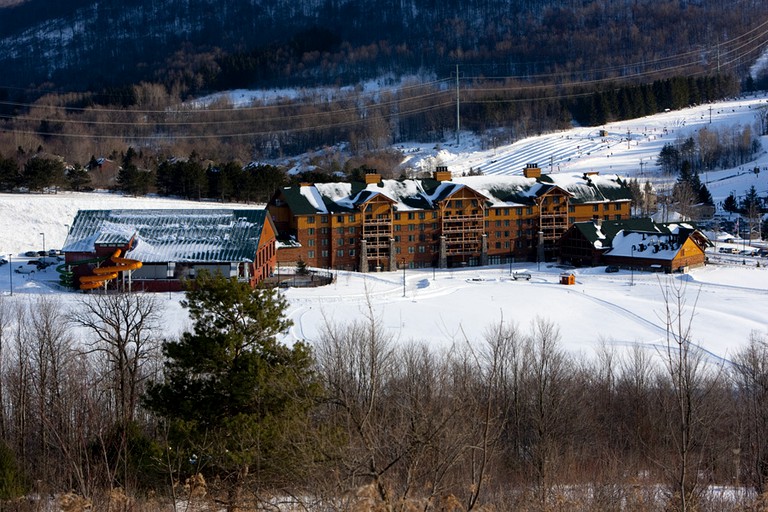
(635, 243)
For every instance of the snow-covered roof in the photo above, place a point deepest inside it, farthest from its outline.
(201, 236)
(415, 194)
(654, 246)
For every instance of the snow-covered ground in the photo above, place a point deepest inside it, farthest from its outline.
(728, 300)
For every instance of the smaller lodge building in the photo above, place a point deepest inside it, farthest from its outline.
(168, 247)
(442, 222)
(635, 243)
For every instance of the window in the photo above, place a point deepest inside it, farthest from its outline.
(498, 245)
(519, 222)
(351, 252)
(310, 219)
(506, 244)
(324, 241)
(351, 218)
(411, 238)
(325, 231)
(397, 238)
(310, 255)
(617, 206)
(311, 242)
(422, 215)
(606, 206)
(411, 227)
(397, 216)
(422, 249)
(506, 223)
(340, 231)
(556, 200)
(410, 250)
(506, 234)
(571, 209)
(498, 234)
(397, 227)
(311, 231)
(340, 241)
(411, 216)
(617, 217)
(421, 227)
(324, 219)
(498, 223)
(351, 230)
(529, 210)
(324, 254)
(458, 203)
(434, 215)
(595, 207)
(351, 241)
(340, 253)
(397, 250)
(519, 211)
(496, 213)
(340, 219)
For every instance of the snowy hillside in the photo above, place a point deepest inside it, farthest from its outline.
(584, 149)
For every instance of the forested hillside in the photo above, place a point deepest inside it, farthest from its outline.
(86, 79)
(205, 45)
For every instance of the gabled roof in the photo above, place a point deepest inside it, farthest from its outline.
(201, 236)
(424, 194)
(592, 188)
(631, 237)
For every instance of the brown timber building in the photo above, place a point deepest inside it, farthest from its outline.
(439, 222)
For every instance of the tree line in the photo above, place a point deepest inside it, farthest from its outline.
(103, 407)
(499, 111)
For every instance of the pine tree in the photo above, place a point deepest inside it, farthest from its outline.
(234, 396)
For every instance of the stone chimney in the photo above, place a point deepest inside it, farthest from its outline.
(442, 173)
(372, 177)
(532, 171)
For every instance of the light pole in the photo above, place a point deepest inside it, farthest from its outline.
(403, 265)
(632, 268)
(43, 235)
(10, 270)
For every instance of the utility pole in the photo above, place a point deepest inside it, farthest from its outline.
(710, 114)
(458, 114)
(628, 139)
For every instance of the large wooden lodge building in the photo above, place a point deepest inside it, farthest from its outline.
(441, 222)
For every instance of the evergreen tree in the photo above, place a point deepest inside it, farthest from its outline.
(705, 197)
(78, 178)
(9, 173)
(669, 158)
(730, 204)
(131, 179)
(234, 396)
(40, 173)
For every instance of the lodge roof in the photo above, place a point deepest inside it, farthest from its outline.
(426, 194)
(159, 236)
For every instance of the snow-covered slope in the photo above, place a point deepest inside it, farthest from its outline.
(585, 149)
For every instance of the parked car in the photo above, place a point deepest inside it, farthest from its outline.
(22, 269)
(611, 269)
(3, 261)
(30, 254)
